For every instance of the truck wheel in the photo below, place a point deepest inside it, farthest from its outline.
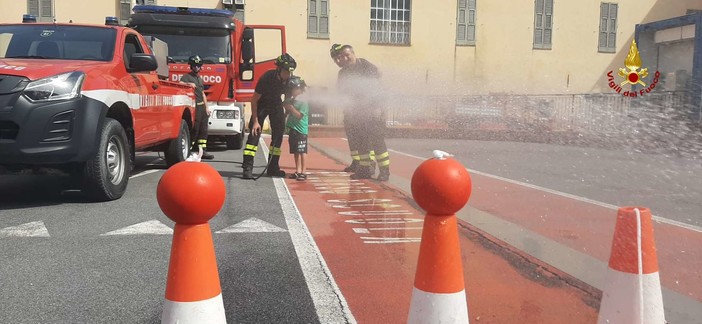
(235, 142)
(105, 176)
(179, 148)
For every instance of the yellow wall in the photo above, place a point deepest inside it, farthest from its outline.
(502, 61)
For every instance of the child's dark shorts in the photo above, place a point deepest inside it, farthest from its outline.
(298, 142)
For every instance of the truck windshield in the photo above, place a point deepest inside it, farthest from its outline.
(213, 45)
(57, 42)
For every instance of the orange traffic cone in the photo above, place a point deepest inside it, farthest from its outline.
(441, 187)
(190, 194)
(633, 292)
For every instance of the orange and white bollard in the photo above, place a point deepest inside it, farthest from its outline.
(633, 291)
(441, 186)
(190, 194)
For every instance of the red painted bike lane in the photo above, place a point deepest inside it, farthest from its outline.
(368, 234)
(582, 226)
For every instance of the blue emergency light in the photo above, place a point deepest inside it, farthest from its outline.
(111, 21)
(29, 18)
(183, 10)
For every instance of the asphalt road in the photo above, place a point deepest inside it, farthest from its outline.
(71, 272)
(670, 186)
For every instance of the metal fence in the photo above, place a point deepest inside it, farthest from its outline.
(588, 113)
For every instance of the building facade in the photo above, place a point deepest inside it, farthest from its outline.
(440, 47)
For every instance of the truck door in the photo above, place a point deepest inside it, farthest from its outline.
(260, 46)
(138, 84)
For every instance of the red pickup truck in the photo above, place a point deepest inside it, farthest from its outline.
(83, 99)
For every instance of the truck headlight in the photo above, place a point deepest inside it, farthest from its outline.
(227, 114)
(57, 87)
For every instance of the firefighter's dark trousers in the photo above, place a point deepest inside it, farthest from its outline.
(199, 131)
(354, 133)
(371, 143)
(276, 118)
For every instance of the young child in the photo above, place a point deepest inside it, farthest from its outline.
(298, 111)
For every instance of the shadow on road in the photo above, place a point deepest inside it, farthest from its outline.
(23, 191)
(36, 190)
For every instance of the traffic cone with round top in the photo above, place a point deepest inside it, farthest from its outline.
(633, 291)
(190, 194)
(441, 186)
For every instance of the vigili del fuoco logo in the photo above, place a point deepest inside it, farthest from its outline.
(633, 74)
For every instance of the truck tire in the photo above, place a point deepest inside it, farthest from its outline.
(179, 148)
(105, 176)
(235, 142)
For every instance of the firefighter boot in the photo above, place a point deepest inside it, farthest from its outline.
(353, 167)
(362, 172)
(384, 174)
(248, 167)
(274, 169)
(207, 156)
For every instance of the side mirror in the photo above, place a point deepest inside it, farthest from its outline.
(141, 62)
(247, 54)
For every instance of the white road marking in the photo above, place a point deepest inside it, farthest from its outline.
(365, 200)
(361, 230)
(567, 195)
(328, 300)
(374, 212)
(388, 240)
(347, 192)
(33, 229)
(383, 220)
(367, 205)
(252, 225)
(150, 227)
(143, 173)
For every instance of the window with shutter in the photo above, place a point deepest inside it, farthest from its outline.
(465, 22)
(125, 10)
(607, 37)
(42, 9)
(33, 7)
(318, 18)
(543, 24)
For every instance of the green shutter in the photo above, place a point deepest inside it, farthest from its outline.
(33, 7)
(543, 23)
(607, 38)
(465, 22)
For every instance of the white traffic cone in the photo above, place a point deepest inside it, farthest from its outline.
(633, 292)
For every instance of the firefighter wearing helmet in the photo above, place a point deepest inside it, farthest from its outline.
(350, 121)
(267, 102)
(202, 112)
(364, 115)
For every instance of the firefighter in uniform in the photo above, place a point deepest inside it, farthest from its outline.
(202, 111)
(359, 79)
(349, 122)
(267, 102)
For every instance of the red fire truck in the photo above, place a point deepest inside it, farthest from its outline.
(232, 61)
